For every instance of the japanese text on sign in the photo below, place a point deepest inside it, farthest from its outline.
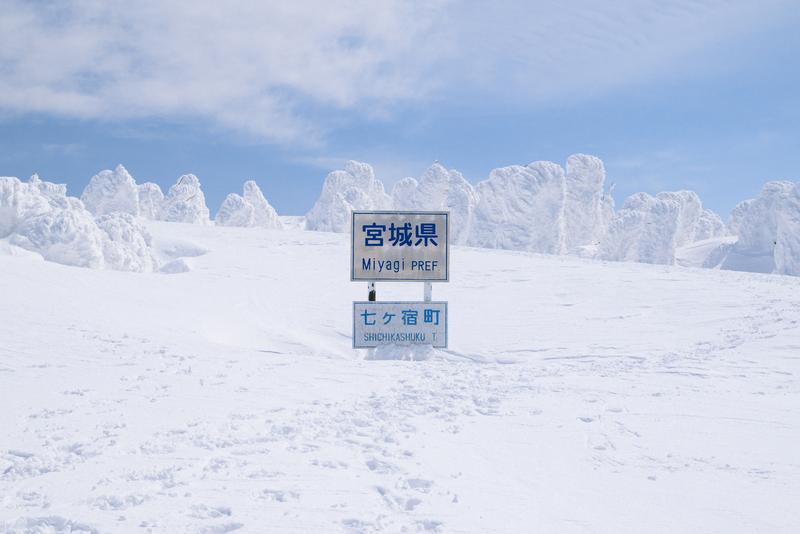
(400, 245)
(399, 323)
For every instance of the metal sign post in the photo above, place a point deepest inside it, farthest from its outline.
(371, 296)
(400, 246)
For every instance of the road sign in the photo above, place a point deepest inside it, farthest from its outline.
(400, 246)
(399, 323)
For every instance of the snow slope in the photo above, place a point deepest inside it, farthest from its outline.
(576, 396)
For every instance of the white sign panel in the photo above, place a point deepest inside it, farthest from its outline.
(399, 323)
(401, 246)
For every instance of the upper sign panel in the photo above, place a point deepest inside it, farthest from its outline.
(403, 246)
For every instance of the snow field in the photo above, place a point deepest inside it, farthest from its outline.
(576, 395)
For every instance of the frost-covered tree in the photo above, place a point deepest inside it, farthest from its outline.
(185, 202)
(112, 191)
(354, 188)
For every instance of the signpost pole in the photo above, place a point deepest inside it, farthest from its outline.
(372, 297)
(399, 246)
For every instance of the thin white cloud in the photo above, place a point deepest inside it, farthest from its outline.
(559, 50)
(259, 67)
(279, 70)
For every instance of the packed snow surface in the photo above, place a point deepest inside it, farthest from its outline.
(576, 396)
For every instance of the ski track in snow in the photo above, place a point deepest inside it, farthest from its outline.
(577, 396)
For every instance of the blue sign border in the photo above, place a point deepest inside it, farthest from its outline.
(397, 212)
(372, 302)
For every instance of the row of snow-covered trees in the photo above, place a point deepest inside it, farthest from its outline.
(117, 191)
(39, 217)
(103, 228)
(543, 207)
(540, 207)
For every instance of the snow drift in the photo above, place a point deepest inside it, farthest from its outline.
(354, 188)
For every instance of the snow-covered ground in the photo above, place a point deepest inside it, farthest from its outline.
(576, 396)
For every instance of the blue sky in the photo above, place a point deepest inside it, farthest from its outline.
(685, 95)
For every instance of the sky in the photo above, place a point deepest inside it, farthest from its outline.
(700, 95)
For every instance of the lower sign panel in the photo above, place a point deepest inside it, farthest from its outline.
(399, 323)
